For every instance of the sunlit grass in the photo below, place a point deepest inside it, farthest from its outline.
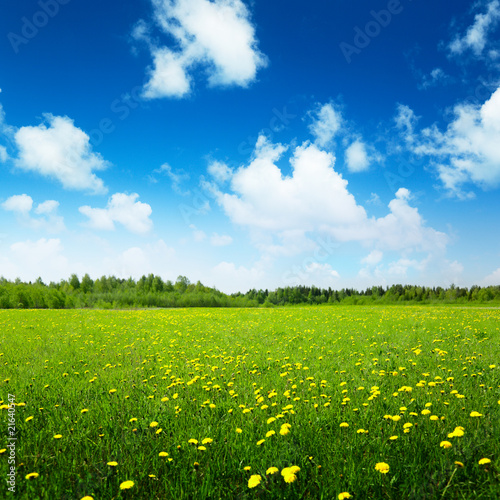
(382, 402)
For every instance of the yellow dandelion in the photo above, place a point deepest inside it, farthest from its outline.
(344, 495)
(476, 414)
(238, 430)
(112, 464)
(393, 438)
(202, 448)
(270, 433)
(153, 424)
(3, 450)
(193, 441)
(484, 461)
(32, 475)
(163, 454)
(85, 410)
(28, 418)
(126, 485)
(132, 420)
(254, 481)
(459, 464)
(112, 391)
(344, 424)
(260, 442)
(270, 420)
(272, 470)
(57, 436)
(284, 431)
(247, 468)
(207, 441)
(382, 467)
(290, 478)
(445, 444)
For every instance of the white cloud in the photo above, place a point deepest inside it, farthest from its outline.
(3, 154)
(216, 36)
(219, 171)
(176, 177)
(30, 259)
(373, 258)
(220, 240)
(198, 234)
(47, 207)
(467, 151)
(476, 36)
(315, 199)
(21, 203)
(60, 151)
(121, 208)
(326, 124)
(492, 279)
(357, 159)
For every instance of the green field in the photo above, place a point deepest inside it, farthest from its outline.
(204, 403)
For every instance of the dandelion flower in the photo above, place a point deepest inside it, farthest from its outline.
(284, 431)
(238, 430)
(393, 438)
(85, 410)
(344, 424)
(163, 454)
(247, 468)
(270, 433)
(126, 485)
(260, 442)
(193, 441)
(290, 478)
(476, 414)
(382, 467)
(459, 464)
(132, 420)
(87, 497)
(202, 448)
(344, 495)
(270, 420)
(484, 461)
(32, 475)
(29, 418)
(254, 481)
(57, 436)
(112, 464)
(445, 444)
(207, 441)
(272, 470)
(153, 424)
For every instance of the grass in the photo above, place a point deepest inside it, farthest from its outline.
(102, 379)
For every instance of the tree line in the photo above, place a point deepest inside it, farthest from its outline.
(152, 291)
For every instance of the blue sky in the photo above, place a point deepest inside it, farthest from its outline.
(251, 144)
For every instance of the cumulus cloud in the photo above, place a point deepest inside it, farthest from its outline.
(21, 203)
(467, 151)
(315, 199)
(60, 151)
(123, 209)
(476, 36)
(216, 36)
(47, 219)
(326, 124)
(356, 157)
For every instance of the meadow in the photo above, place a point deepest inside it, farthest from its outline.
(380, 402)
